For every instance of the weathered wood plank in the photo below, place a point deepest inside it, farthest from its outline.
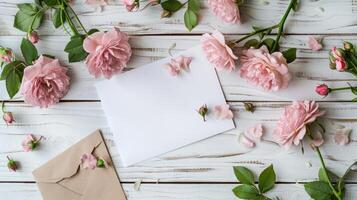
(175, 191)
(311, 67)
(210, 160)
(328, 16)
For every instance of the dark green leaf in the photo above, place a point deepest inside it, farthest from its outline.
(318, 190)
(58, 17)
(269, 43)
(323, 176)
(244, 175)
(290, 55)
(191, 19)
(17, 66)
(353, 89)
(51, 3)
(28, 8)
(246, 191)
(295, 5)
(194, 5)
(75, 49)
(29, 51)
(267, 179)
(24, 20)
(91, 31)
(39, 2)
(251, 43)
(340, 183)
(171, 5)
(13, 83)
(49, 56)
(5, 71)
(354, 100)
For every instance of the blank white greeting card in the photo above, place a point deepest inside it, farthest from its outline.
(151, 112)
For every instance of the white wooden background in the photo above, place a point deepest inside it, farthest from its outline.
(202, 171)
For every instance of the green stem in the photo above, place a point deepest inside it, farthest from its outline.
(254, 33)
(281, 24)
(3, 107)
(69, 20)
(34, 19)
(76, 16)
(341, 88)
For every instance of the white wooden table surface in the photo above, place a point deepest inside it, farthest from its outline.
(202, 171)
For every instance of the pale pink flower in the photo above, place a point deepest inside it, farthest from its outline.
(322, 90)
(97, 2)
(88, 161)
(178, 64)
(342, 136)
(291, 127)
(33, 37)
(255, 132)
(226, 10)
(223, 112)
(218, 52)
(30, 143)
(268, 71)
(45, 82)
(109, 52)
(246, 141)
(314, 44)
(8, 118)
(130, 5)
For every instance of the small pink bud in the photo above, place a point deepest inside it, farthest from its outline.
(8, 118)
(33, 37)
(6, 55)
(322, 90)
(30, 143)
(341, 65)
(11, 164)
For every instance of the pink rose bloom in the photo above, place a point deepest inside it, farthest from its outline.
(45, 82)
(291, 127)
(314, 44)
(97, 2)
(88, 161)
(338, 60)
(217, 52)
(226, 10)
(130, 5)
(177, 64)
(109, 52)
(223, 112)
(260, 68)
(255, 132)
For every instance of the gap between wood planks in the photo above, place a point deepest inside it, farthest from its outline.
(183, 183)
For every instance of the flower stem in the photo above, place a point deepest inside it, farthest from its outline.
(3, 107)
(254, 33)
(281, 24)
(69, 20)
(342, 88)
(76, 16)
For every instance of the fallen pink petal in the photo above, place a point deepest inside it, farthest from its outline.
(255, 132)
(246, 141)
(223, 112)
(314, 44)
(342, 136)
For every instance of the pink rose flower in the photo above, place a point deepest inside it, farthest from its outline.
(45, 82)
(130, 5)
(342, 136)
(33, 37)
(260, 68)
(88, 161)
(30, 143)
(97, 2)
(226, 10)
(255, 132)
(291, 127)
(337, 60)
(223, 112)
(109, 52)
(217, 52)
(322, 90)
(314, 44)
(177, 64)
(8, 118)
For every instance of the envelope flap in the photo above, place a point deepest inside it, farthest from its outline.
(67, 163)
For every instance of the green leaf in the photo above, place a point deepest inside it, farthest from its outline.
(25, 18)
(244, 175)
(194, 5)
(341, 183)
(191, 19)
(290, 55)
(75, 50)
(353, 89)
(15, 65)
(323, 177)
(51, 3)
(29, 51)
(354, 100)
(171, 5)
(91, 31)
(58, 17)
(246, 191)
(269, 43)
(13, 84)
(318, 190)
(295, 5)
(267, 179)
(5, 72)
(251, 43)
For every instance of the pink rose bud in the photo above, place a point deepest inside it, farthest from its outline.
(203, 110)
(6, 55)
(341, 65)
(33, 37)
(30, 143)
(322, 90)
(11, 164)
(8, 118)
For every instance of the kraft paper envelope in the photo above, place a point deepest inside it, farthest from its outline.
(151, 112)
(62, 178)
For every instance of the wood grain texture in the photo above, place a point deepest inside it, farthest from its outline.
(327, 16)
(210, 160)
(175, 192)
(311, 67)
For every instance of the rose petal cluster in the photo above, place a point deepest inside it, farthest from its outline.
(223, 112)
(176, 65)
(252, 135)
(291, 127)
(314, 44)
(45, 82)
(89, 161)
(218, 52)
(337, 60)
(109, 52)
(8, 118)
(226, 10)
(30, 143)
(265, 70)
(322, 90)
(130, 5)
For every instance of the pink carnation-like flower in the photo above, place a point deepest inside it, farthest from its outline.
(88, 161)
(109, 52)
(45, 82)
(255, 132)
(218, 52)
(97, 2)
(314, 44)
(291, 127)
(269, 71)
(226, 10)
(177, 64)
(322, 90)
(130, 5)
(223, 112)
